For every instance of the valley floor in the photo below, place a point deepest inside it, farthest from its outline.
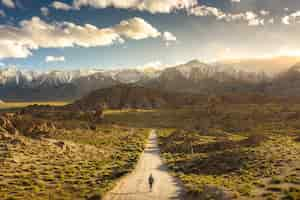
(224, 151)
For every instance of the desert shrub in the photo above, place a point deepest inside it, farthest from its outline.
(95, 197)
(276, 180)
(275, 189)
(292, 194)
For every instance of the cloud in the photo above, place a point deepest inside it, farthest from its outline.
(250, 17)
(291, 19)
(206, 11)
(45, 11)
(19, 41)
(9, 49)
(136, 28)
(61, 6)
(271, 21)
(9, 3)
(169, 6)
(169, 37)
(153, 6)
(150, 65)
(55, 59)
(264, 12)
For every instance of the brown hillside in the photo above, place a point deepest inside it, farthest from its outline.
(127, 96)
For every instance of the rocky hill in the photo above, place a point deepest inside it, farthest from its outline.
(130, 96)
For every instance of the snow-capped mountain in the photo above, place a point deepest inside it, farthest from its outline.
(23, 84)
(194, 76)
(12, 75)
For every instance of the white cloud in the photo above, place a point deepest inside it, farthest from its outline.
(264, 12)
(286, 20)
(153, 6)
(45, 11)
(106, 3)
(253, 19)
(18, 42)
(9, 3)
(250, 17)
(271, 21)
(168, 38)
(165, 6)
(150, 65)
(206, 11)
(61, 6)
(55, 59)
(10, 49)
(168, 6)
(291, 19)
(153, 66)
(136, 28)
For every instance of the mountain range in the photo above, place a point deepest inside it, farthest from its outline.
(193, 77)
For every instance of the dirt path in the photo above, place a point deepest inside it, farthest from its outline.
(135, 186)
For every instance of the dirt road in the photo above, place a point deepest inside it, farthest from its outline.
(135, 186)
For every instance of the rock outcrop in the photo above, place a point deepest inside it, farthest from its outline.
(7, 124)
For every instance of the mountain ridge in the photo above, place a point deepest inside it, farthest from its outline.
(194, 77)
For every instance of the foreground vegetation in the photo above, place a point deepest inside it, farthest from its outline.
(218, 151)
(237, 152)
(228, 151)
(55, 156)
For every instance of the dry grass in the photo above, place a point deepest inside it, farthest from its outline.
(243, 151)
(70, 161)
(246, 151)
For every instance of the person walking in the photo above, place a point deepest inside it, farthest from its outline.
(151, 182)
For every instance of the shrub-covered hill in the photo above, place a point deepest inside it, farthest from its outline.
(129, 96)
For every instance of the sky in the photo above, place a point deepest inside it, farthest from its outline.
(72, 34)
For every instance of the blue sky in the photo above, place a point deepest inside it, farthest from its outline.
(153, 31)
